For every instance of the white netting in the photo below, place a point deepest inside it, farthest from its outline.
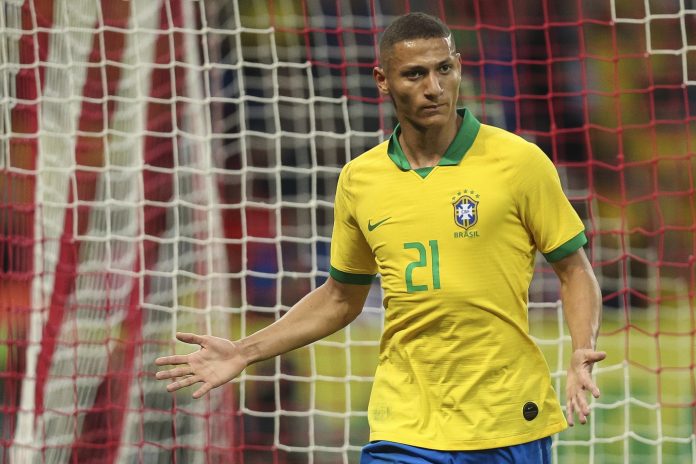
(128, 239)
(171, 165)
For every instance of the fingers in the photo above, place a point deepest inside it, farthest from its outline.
(582, 417)
(582, 407)
(175, 359)
(184, 372)
(596, 356)
(580, 382)
(181, 359)
(586, 384)
(589, 385)
(173, 373)
(205, 388)
(574, 406)
(576, 403)
(570, 412)
(190, 338)
(595, 391)
(185, 382)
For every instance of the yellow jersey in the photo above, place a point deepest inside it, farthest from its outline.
(455, 246)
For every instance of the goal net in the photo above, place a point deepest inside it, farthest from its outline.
(170, 165)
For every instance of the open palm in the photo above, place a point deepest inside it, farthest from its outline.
(580, 382)
(217, 362)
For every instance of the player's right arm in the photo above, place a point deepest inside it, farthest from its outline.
(320, 313)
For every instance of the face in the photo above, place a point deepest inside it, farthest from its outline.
(422, 76)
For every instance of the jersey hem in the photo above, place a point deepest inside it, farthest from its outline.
(471, 445)
(567, 248)
(348, 278)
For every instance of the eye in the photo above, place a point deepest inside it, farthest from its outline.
(413, 74)
(445, 68)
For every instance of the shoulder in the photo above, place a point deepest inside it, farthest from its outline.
(367, 163)
(501, 139)
(371, 157)
(511, 148)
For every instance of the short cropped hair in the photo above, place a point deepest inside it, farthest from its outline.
(411, 26)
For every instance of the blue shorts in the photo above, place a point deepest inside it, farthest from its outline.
(383, 452)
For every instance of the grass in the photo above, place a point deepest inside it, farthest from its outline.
(644, 413)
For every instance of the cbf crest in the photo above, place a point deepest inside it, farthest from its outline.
(465, 211)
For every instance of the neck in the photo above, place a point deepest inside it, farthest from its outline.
(425, 146)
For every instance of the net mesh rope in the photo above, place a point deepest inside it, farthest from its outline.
(171, 165)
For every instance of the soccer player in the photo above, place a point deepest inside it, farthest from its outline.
(450, 212)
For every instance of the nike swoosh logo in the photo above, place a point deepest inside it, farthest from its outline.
(372, 227)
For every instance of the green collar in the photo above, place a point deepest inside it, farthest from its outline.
(454, 153)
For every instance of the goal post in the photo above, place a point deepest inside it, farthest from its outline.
(124, 245)
(170, 165)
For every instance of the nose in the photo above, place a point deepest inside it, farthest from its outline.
(433, 86)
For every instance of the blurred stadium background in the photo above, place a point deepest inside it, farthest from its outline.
(170, 165)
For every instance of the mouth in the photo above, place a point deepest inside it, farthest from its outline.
(433, 108)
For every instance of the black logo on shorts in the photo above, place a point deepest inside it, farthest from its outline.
(530, 411)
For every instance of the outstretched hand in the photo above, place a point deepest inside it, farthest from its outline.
(579, 382)
(217, 362)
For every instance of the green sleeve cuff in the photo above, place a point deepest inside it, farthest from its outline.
(567, 248)
(348, 278)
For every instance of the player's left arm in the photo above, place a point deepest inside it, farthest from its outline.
(582, 309)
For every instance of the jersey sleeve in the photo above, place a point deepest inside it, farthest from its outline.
(555, 227)
(352, 261)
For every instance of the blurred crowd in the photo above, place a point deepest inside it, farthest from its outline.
(605, 88)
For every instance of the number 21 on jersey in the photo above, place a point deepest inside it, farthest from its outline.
(424, 259)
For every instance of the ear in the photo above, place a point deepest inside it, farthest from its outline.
(381, 80)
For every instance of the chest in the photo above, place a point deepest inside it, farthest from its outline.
(449, 203)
